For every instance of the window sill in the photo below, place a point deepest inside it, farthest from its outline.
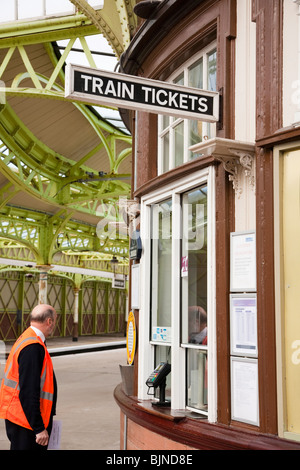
(168, 413)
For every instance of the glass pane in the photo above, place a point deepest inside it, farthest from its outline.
(179, 141)
(197, 325)
(166, 151)
(180, 79)
(209, 130)
(196, 74)
(212, 70)
(163, 354)
(197, 379)
(195, 135)
(194, 266)
(161, 266)
(166, 121)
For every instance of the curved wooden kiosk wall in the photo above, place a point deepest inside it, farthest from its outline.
(149, 428)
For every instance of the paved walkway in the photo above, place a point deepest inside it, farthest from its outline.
(87, 373)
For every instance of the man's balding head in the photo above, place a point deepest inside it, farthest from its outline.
(41, 312)
(43, 317)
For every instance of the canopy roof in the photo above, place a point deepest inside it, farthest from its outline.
(64, 165)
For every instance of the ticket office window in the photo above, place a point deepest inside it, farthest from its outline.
(180, 310)
(176, 135)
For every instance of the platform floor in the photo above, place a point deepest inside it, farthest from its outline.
(87, 373)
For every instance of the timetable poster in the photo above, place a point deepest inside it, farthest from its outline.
(243, 324)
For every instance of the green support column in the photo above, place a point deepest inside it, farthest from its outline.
(43, 284)
(77, 309)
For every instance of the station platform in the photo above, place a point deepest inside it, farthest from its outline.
(61, 346)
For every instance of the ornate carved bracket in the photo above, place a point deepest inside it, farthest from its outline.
(234, 155)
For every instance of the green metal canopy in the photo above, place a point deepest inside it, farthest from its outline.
(64, 166)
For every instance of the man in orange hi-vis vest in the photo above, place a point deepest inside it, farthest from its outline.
(28, 390)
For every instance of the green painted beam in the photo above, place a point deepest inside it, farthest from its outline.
(47, 30)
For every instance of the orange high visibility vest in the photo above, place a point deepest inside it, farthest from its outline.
(10, 405)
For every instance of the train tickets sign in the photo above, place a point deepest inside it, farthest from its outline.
(127, 91)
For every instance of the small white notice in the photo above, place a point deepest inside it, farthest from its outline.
(55, 436)
(243, 262)
(244, 383)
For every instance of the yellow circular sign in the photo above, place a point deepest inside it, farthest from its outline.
(131, 338)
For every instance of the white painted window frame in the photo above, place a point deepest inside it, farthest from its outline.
(178, 351)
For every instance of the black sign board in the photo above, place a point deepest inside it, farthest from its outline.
(135, 249)
(127, 91)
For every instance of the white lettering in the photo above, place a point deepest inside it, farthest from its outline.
(119, 90)
(203, 107)
(164, 102)
(120, 460)
(172, 99)
(110, 88)
(147, 91)
(183, 101)
(97, 85)
(147, 95)
(193, 100)
(153, 95)
(128, 91)
(170, 459)
(86, 79)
